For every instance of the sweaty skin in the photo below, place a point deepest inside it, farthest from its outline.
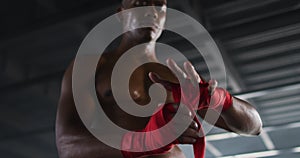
(75, 141)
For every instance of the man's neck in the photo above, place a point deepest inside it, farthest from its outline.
(145, 50)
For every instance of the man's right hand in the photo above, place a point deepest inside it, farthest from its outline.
(136, 144)
(191, 134)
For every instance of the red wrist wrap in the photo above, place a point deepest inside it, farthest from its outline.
(220, 100)
(140, 141)
(143, 141)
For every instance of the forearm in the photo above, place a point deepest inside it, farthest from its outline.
(242, 118)
(238, 116)
(70, 146)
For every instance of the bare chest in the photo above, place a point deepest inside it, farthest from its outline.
(125, 90)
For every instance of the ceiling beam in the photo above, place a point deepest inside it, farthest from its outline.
(213, 150)
(234, 78)
(68, 19)
(264, 36)
(268, 91)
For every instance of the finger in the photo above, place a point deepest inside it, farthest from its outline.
(194, 125)
(155, 78)
(176, 69)
(212, 85)
(182, 110)
(192, 73)
(186, 124)
(184, 113)
(191, 133)
(186, 140)
(183, 121)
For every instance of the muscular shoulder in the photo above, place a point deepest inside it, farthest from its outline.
(67, 79)
(66, 87)
(66, 113)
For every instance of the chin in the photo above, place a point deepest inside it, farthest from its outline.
(147, 34)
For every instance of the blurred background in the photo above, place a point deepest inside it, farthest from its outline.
(259, 41)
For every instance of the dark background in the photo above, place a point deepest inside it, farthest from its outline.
(259, 41)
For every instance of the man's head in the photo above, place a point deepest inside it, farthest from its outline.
(153, 13)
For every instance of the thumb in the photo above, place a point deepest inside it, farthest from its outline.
(155, 78)
(212, 86)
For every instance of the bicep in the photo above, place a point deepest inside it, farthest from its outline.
(67, 120)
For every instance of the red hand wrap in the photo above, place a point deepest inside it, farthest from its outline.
(143, 141)
(219, 100)
(140, 141)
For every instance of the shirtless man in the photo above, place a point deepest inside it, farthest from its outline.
(73, 138)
